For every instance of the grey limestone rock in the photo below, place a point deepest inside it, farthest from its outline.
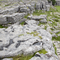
(15, 17)
(3, 19)
(37, 6)
(26, 10)
(16, 39)
(37, 17)
(44, 57)
(7, 59)
(47, 7)
(30, 7)
(43, 21)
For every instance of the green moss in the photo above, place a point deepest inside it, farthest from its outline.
(56, 38)
(56, 20)
(58, 8)
(45, 27)
(58, 33)
(22, 23)
(34, 33)
(53, 24)
(42, 51)
(52, 9)
(40, 37)
(39, 24)
(55, 49)
(38, 12)
(7, 5)
(21, 35)
(22, 57)
(26, 16)
(2, 26)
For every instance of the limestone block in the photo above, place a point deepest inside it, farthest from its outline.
(3, 19)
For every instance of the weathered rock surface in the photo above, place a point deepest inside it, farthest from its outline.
(3, 19)
(16, 17)
(57, 45)
(17, 38)
(26, 39)
(27, 7)
(7, 59)
(47, 7)
(41, 18)
(10, 10)
(44, 57)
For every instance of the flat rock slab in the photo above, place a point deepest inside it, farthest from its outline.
(15, 17)
(10, 10)
(37, 17)
(26, 10)
(17, 38)
(44, 57)
(5, 19)
(7, 59)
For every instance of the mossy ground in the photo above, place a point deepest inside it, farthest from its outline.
(52, 17)
(35, 33)
(58, 8)
(26, 16)
(56, 38)
(21, 57)
(1, 26)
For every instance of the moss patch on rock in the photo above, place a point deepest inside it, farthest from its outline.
(55, 49)
(43, 51)
(22, 57)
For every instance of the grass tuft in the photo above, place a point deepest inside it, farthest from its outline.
(55, 49)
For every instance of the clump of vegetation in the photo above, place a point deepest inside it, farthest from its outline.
(45, 27)
(7, 5)
(26, 16)
(58, 33)
(1, 26)
(55, 49)
(22, 23)
(40, 37)
(42, 51)
(22, 57)
(52, 29)
(56, 20)
(56, 38)
(58, 8)
(53, 2)
(39, 24)
(38, 12)
(35, 34)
